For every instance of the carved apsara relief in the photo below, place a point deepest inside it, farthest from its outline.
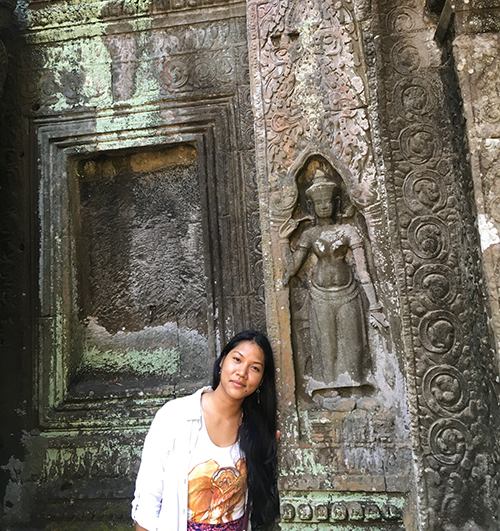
(332, 294)
(310, 99)
(337, 358)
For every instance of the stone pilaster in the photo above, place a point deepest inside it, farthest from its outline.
(475, 49)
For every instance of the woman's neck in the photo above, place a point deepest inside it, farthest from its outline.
(222, 405)
(222, 418)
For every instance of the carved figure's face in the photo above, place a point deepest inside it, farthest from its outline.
(323, 204)
(242, 370)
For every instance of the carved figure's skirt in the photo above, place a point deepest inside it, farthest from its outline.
(339, 356)
(235, 525)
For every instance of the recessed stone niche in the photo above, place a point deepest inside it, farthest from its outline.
(140, 261)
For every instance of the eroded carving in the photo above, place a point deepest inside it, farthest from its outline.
(419, 143)
(361, 510)
(449, 440)
(428, 236)
(436, 286)
(339, 511)
(304, 511)
(414, 97)
(440, 332)
(432, 210)
(310, 57)
(424, 191)
(330, 246)
(445, 390)
(405, 58)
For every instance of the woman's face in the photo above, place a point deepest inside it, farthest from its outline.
(323, 204)
(242, 370)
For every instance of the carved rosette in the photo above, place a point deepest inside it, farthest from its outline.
(447, 336)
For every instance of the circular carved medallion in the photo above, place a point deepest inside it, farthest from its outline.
(178, 73)
(424, 191)
(445, 390)
(225, 68)
(401, 20)
(448, 440)
(287, 511)
(414, 97)
(405, 58)
(304, 511)
(202, 74)
(428, 237)
(439, 332)
(435, 281)
(419, 143)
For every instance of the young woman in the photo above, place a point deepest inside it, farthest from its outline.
(209, 459)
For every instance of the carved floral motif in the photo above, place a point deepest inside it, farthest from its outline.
(313, 89)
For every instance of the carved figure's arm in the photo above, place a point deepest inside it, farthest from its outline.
(377, 318)
(364, 276)
(294, 260)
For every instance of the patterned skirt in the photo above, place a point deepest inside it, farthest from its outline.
(235, 525)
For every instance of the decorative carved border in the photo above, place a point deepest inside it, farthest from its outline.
(341, 510)
(64, 15)
(447, 341)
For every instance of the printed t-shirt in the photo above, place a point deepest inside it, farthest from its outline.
(217, 483)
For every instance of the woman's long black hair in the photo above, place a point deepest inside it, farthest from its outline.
(258, 433)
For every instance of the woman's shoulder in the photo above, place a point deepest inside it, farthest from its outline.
(186, 407)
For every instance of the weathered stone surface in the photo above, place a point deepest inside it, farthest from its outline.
(453, 412)
(310, 91)
(133, 205)
(477, 64)
(147, 231)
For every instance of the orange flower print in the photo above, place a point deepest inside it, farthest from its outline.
(215, 492)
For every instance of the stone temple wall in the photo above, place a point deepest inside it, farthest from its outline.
(174, 171)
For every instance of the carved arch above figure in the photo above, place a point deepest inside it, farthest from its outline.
(287, 196)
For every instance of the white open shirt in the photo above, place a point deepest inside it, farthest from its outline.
(161, 489)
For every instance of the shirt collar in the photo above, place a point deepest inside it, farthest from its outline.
(194, 411)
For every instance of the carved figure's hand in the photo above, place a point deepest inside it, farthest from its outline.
(378, 320)
(288, 227)
(291, 224)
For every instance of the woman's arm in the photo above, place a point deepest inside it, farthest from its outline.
(140, 528)
(148, 493)
(294, 263)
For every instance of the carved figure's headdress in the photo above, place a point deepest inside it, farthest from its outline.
(320, 183)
